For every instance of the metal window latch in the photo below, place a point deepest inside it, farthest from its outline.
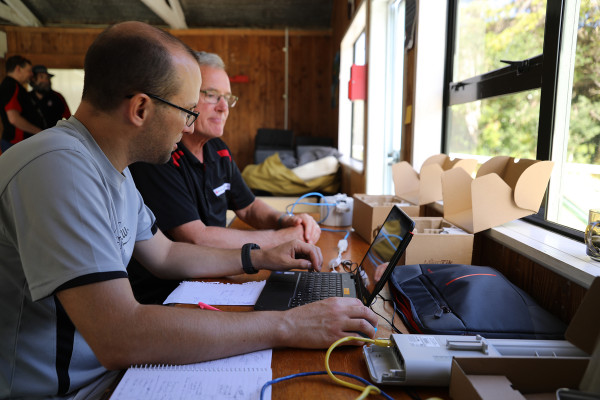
(458, 85)
(522, 66)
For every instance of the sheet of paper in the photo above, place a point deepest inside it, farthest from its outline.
(237, 377)
(215, 293)
(249, 361)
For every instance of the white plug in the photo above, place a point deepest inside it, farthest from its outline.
(342, 246)
(334, 263)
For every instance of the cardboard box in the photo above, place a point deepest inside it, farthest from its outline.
(509, 378)
(426, 187)
(503, 190)
(370, 211)
(437, 241)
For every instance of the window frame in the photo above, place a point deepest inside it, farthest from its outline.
(537, 72)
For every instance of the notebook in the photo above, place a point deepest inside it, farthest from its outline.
(236, 377)
(284, 287)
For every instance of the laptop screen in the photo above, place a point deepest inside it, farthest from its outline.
(383, 254)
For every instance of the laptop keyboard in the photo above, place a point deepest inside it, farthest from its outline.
(316, 286)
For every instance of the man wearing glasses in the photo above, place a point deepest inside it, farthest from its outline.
(71, 219)
(191, 194)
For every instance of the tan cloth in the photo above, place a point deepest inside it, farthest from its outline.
(274, 177)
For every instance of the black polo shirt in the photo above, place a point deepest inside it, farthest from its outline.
(13, 96)
(53, 106)
(185, 190)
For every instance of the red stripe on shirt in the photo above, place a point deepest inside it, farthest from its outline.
(224, 153)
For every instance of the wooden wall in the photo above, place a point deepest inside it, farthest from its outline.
(258, 54)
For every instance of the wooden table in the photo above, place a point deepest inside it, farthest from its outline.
(345, 359)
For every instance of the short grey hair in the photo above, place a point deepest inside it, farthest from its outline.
(210, 60)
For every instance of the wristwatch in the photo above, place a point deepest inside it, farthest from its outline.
(246, 260)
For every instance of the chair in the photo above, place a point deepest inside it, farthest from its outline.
(269, 141)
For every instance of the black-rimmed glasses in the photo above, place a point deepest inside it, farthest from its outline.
(189, 118)
(213, 97)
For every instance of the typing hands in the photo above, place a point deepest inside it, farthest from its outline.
(290, 255)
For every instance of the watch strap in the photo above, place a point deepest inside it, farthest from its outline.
(246, 260)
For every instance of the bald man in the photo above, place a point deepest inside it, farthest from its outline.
(72, 218)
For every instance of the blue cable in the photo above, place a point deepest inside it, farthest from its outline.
(301, 374)
(297, 202)
(348, 231)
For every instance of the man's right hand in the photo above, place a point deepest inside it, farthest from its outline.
(317, 325)
(295, 254)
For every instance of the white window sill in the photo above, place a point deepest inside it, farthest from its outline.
(558, 253)
(355, 165)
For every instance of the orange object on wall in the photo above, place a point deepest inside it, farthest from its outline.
(357, 86)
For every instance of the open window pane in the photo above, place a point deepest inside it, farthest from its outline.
(505, 125)
(579, 188)
(492, 30)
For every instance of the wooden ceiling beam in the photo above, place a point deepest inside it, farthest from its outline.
(169, 10)
(18, 13)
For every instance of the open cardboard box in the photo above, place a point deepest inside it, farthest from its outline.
(509, 378)
(503, 190)
(369, 212)
(426, 187)
(436, 241)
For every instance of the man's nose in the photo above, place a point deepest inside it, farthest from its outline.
(188, 129)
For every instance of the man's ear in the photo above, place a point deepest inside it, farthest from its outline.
(138, 109)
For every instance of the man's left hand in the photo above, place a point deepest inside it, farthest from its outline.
(312, 231)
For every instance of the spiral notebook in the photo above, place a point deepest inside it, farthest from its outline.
(237, 377)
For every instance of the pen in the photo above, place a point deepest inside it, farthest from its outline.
(205, 306)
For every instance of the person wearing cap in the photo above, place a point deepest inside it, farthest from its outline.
(51, 103)
(20, 117)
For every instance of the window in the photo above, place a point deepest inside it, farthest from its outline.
(511, 91)
(576, 144)
(384, 36)
(357, 151)
(69, 83)
(395, 37)
(352, 113)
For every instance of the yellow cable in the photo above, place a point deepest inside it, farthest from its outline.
(366, 390)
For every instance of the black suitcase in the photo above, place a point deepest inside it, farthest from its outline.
(455, 299)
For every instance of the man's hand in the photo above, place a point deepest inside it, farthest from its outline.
(291, 255)
(312, 231)
(319, 324)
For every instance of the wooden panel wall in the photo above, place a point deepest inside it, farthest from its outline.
(259, 54)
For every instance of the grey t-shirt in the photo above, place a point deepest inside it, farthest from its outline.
(67, 218)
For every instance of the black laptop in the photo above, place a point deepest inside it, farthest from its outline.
(287, 289)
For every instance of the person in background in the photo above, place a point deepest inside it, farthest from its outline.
(52, 104)
(191, 194)
(20, 117)
(72, 218)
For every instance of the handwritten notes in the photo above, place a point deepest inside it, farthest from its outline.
(239, 377)
(214, 293)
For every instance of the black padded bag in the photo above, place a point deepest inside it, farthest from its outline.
(455, 299)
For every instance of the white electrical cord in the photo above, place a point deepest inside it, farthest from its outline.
(342, 246)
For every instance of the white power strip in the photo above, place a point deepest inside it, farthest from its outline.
(339, 212)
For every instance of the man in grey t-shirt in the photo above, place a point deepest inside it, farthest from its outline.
(71, 219)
